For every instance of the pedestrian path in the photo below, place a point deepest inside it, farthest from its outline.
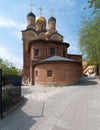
(54, 108)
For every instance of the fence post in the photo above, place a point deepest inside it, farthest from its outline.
(1, 111)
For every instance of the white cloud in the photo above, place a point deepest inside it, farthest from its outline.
(6, 22)
(5, 54)
(16, 26)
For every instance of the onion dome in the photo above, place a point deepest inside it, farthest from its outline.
(40, 19)
(52, 23)
(30, 20)
(52, 19)
(40, 23)
(30, 14)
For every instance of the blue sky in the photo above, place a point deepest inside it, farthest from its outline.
(13, 14)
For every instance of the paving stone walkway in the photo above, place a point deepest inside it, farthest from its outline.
(75, 107)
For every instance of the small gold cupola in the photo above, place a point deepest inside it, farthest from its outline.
(40, 23)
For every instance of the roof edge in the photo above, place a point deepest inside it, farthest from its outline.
(60, 59)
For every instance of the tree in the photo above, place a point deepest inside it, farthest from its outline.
(8, 68)
(95, 4)
(89, 41)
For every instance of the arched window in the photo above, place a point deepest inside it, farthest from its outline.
(52, 51)
(36, 52)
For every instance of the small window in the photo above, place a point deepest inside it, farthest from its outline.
(49, 73)
(36, 52)
(52, 51)
(36, 73)
(66, 73)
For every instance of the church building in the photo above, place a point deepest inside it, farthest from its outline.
(46, 60)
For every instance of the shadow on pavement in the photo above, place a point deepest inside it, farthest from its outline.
(17, 119)
(87, 81)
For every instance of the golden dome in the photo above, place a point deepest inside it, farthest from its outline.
(40, 19)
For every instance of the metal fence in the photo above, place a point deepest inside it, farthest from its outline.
(10, 92)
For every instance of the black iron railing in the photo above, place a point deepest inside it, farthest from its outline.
(10, 92)
(10, 95)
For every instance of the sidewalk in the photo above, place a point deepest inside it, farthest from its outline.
(57, 108)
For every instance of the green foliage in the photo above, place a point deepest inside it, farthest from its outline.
(89, 41)
(8, 68)
(94, 4)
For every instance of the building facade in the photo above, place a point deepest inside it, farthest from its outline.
(45, 57)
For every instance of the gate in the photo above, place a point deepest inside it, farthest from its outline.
(10, 92)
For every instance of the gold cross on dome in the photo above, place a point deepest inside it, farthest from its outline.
(52, 12)
(31, 6)
(40, 9)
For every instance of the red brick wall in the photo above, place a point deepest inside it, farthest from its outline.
(26, 64)
(57, 67)
(74, 57)
(77, 58)
(58, 77)
(44, 48)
